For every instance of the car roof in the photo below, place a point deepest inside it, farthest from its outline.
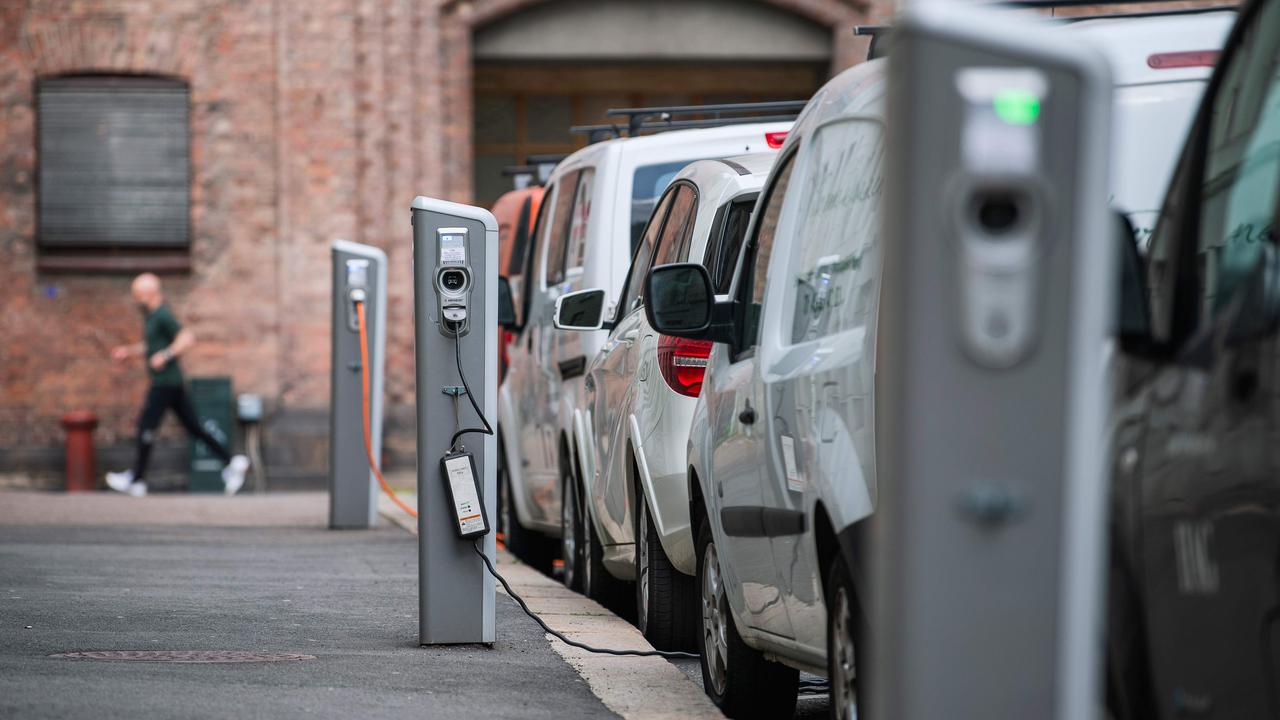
(1129, 43)
(860, 90)
(724, 178)
(635, 148)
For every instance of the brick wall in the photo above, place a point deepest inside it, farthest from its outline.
(310, 120)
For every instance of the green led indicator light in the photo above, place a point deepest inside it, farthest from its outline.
(1017, 107)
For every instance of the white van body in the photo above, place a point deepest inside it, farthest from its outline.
(597, 200)
(781, 448)
(640, 389)
(1160, 66)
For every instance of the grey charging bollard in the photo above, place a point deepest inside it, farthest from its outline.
(455, 287)
(359, 272)
(990, 384)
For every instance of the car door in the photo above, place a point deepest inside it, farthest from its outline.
(611, 382)
(1198, 524)
(541, 390)
(817, 357)
(735, 398)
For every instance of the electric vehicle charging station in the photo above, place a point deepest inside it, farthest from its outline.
(991, 399)
(455, 285)
(359, 276)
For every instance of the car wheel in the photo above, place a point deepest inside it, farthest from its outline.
(666, 604)
(846, 625)
(534, 549)
(597, 582)
(571, 545)
(737, 678)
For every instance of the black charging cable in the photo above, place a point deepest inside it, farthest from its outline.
(670, 654)
(487, 429)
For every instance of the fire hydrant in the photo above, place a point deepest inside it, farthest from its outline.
(82, 470)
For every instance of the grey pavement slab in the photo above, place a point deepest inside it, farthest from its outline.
(349, 598)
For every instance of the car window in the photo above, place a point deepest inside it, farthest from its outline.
(537, 238)
(1235, 194)
(581, 215)
(673, 244)
(558, 232)
(726, 242)
(647, 184)
(520, 239)
(832, 283)
(642, 260)
(752, 289)
(1242, 165)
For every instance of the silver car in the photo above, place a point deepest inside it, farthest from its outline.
(632, 422)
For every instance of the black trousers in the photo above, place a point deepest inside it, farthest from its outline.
(159, 399)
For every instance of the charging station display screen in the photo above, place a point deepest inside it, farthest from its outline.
(453, 248)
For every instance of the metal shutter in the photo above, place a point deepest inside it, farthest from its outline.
(114, 162)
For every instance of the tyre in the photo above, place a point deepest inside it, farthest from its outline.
(533, 548)
(738, 679)
(666, 601)
(846, 628)
(597, 583)
(571, 528)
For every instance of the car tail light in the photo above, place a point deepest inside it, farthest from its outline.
(683, 363)
(775, 139)
(1189, 58)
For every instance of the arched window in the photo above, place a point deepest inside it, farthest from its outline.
(114, 172)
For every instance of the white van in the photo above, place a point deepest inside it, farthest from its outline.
(596, 205)
(781, 453)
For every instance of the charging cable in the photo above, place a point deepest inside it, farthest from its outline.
(364, 406)
(669, 654)
(487, 429)
(453, 443)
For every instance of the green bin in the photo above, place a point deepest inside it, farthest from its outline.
(211, 397)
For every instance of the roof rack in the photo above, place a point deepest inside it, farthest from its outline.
(658, 119)
(880, 39)
(535, 171)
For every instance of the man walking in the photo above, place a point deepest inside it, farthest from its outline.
(164, 339)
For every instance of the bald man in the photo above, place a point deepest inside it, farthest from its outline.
(164, 339)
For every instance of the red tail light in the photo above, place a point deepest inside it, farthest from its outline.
(683, 363)
(775, 139)
(1190, 58)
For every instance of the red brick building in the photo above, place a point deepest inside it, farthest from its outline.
(289, 124)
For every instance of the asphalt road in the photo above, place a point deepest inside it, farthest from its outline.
(349, 598)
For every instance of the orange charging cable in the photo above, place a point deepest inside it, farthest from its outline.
(368, 441)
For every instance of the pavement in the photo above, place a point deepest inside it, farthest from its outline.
(258, 574)
(262, 574)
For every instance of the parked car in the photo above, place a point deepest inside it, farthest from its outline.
(515, 212)
(781, 464)
(1193, 602)
(632, 421)
(1160, 65)
(597, 204)
(781, 453)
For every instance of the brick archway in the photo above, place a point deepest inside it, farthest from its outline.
(458, 19)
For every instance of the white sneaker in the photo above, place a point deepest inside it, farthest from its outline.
(120, 481)
(233, 474)
(138, 489)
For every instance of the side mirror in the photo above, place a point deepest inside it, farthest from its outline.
(680, 302)
(581, 310)
(1133, 316)
(506, 308)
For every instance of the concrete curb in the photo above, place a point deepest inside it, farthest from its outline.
(639, 688)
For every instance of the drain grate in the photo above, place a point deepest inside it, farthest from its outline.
(182, 656)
